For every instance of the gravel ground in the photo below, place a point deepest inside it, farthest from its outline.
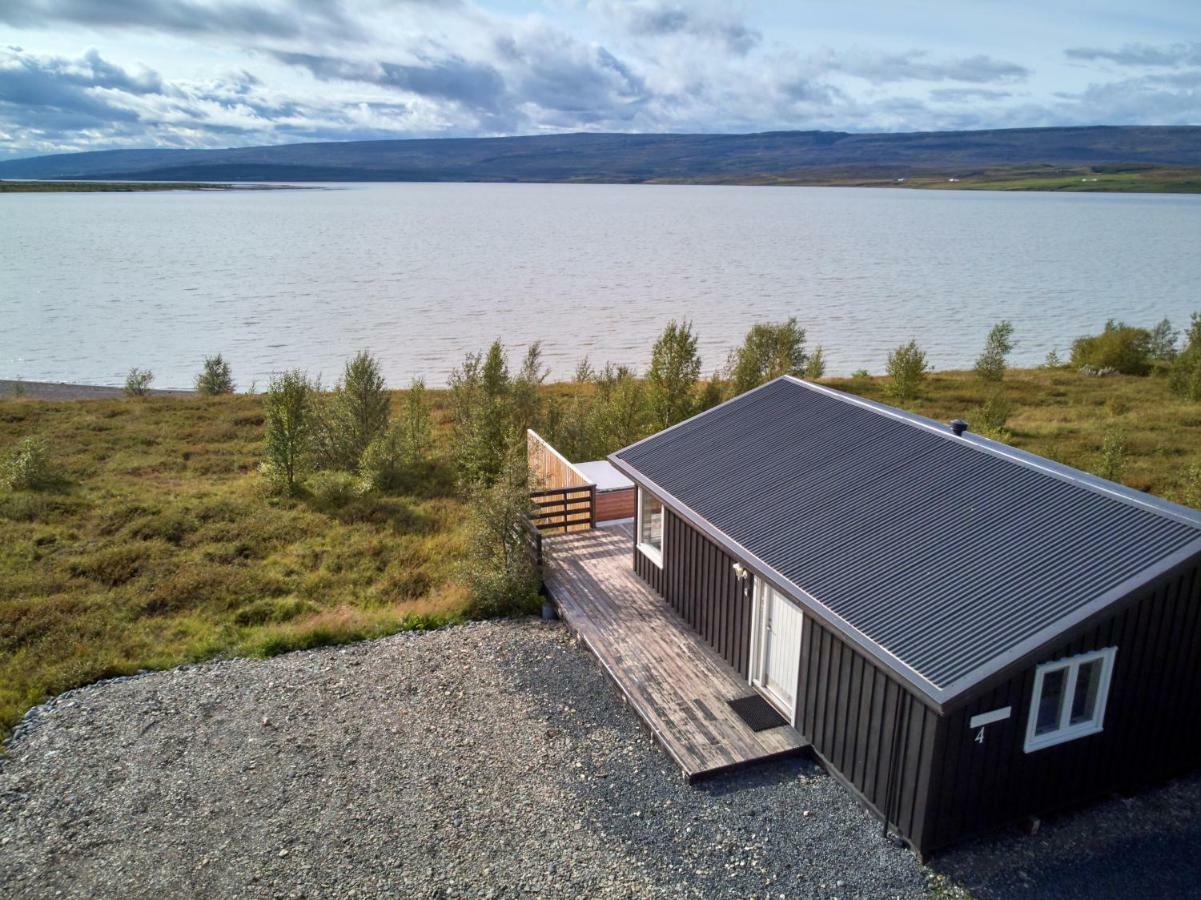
(61, 390)
(487, 759)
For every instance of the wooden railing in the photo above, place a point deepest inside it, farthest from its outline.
(531, 538)
(564, 509)
(563, 499)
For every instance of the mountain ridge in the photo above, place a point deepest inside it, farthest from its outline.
(625, 158)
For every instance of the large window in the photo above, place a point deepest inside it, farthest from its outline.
(650, 527)
(1069, 698)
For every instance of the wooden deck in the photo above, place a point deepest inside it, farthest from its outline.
(672, 678)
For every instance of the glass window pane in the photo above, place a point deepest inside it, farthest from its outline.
(1051, 701)
(652, 522)
(1084, 697)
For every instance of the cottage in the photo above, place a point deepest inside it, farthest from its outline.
(966, 634)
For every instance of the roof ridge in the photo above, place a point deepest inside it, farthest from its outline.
(982, 444)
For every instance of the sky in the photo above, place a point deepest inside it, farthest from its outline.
(106, 74)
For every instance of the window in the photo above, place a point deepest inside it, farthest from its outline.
(1069, 698)
(650, 527)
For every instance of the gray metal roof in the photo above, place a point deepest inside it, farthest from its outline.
(945, 557)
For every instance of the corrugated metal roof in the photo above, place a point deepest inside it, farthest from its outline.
(946, 552)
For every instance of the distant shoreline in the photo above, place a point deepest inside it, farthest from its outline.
(101, 187)
(61, 390)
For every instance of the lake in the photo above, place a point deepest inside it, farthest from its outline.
(92, 284)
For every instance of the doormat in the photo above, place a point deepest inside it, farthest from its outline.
(757, 713)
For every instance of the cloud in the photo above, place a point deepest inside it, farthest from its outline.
(916, 65)
(1167, 55)
(660, 19)
(185, 16)
(475, 86)
(964, 95)
(69, 93)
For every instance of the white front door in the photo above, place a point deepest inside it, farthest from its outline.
(779, 647)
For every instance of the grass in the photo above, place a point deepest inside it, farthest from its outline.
(159, 545)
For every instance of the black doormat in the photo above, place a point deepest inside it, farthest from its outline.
(757, 713)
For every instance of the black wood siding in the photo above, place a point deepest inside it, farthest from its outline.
(697, 580)
(878, 736)
(1151, 728)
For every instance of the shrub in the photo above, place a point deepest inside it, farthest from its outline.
(334, 490)
(992, 415)
(525, 396)
(353, 416)
(1185, 375)
(1189, 491)
(990, 365)
(815, 368)
(1052, 361)
(481, 415)
(499, 572)
(711, 394)
(1113, 455)
(768, 351)
(1162, 345)
(672, 377)
(908, 369)
(137, 382)
(861, 375)
(383, 463)
(26, 467)
(1119, 346)
(288, 408)
(215, 378)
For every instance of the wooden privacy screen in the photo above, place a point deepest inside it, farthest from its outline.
(562, 498)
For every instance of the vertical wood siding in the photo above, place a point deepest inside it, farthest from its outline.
(878, 736)
(1151, 731)
(697, 580)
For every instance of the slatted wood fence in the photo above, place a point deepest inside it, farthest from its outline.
(563, 499)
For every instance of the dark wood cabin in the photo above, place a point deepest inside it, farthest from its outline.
(967, 634)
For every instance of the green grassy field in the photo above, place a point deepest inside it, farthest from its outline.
(162, 547)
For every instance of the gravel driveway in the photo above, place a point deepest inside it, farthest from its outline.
(487, 759)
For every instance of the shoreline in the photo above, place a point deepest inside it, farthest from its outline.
(12, 388)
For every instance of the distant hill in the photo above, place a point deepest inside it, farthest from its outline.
(797, 156)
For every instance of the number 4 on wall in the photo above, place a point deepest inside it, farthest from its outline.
(978, 722)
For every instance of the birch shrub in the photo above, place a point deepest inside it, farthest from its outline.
(26, 467)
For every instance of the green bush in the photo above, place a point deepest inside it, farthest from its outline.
(353, 416)
(137, 382)
(815, 368)
(1189, 490)
(216, 378)
(288, 409)
(990, 365)
(499, 572)
(768, 351)
(1185, 374)
(26, 467)
(908, 369)
(1121, 347)
(334, 490)
(672, 377)
(1113, 455)
(1163, 342)
(991, 417)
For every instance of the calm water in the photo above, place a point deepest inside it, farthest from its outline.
(92, 284)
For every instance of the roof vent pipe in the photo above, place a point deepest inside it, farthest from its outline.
(958, 426)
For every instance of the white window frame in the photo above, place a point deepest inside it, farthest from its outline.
(651, 552)
(1066, 732)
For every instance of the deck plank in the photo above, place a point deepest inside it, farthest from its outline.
(676, 682)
